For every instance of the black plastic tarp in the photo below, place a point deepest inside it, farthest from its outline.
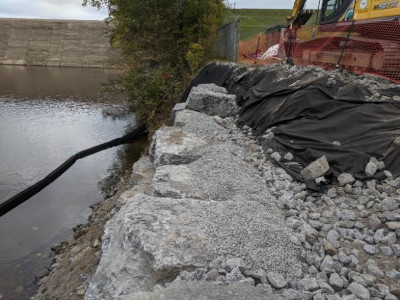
(310, 115)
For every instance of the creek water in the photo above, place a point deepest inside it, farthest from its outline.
(47, 115)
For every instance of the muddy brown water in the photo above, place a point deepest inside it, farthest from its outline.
(47, 115)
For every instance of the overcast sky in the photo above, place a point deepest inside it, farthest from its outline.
(72, 9)
(49, 9)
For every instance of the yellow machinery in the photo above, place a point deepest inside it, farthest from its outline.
(343, 10)
(360, 35)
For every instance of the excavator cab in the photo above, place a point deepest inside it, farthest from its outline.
(333, 11)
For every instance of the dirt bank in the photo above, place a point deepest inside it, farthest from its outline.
(76, 259)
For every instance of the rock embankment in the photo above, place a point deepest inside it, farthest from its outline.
(210, 215)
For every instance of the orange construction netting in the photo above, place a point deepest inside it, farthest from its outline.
(368, 46)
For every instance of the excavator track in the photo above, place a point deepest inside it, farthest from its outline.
(388, 59)
(361, 54)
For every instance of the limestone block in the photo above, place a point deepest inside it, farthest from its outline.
(213, 88)
(173, 146)
(177, 107)
(176, 182)
(200, 124)
(217, 175)
(183, 290)
(150, 240)
(212, 103)
(140, 171)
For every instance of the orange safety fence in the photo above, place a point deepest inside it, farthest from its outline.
(253, 51)
(365, 46)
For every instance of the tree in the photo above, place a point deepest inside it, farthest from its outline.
(164, 42)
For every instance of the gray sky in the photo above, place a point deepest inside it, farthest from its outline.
(49, 9)
(72, 9)
(287, 4)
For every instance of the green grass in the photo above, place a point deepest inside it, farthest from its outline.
(254, 21)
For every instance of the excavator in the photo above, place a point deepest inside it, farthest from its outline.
(362, 36)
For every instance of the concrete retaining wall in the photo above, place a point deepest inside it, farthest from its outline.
(66, 43)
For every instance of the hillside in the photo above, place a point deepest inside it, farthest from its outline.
(254, 21)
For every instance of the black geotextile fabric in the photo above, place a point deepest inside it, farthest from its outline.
(309, 115)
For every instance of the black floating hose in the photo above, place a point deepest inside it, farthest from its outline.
(21, 197)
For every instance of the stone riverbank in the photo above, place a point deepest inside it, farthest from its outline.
(209, 215)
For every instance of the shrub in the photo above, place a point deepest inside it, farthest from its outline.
(164, 43)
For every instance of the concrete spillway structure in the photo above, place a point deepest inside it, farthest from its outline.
(64, 43)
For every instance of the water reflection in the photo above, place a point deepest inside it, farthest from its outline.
(36, 135)
(43, 82)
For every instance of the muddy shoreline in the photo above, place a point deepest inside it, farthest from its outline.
(47, 115)
(76, 259)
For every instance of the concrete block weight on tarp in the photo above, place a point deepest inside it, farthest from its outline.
(316, 169)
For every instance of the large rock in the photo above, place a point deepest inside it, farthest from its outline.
(336, 282)
(150, 240)
(385, 238)
(371, 169)
(359, 290)
(202, 290)
(316, 169)
(208, 204)
(177, 108)
(217, 175)
(173, 146)
(200, 124)
(176, 182)
(212, 103)
(373, 166)
(212, 87)
(396, 250)
(308, 284)
(345, 178)
(393, 225)
(141, 170)
(276, 280)
(388, 204)
(373, 269)
(328, 265)
(333, 236)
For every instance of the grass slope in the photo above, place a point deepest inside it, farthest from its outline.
(254, 21)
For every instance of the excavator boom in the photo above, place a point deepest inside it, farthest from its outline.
(298, 7)
(299, 15)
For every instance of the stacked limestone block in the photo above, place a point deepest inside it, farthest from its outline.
(208, 226)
